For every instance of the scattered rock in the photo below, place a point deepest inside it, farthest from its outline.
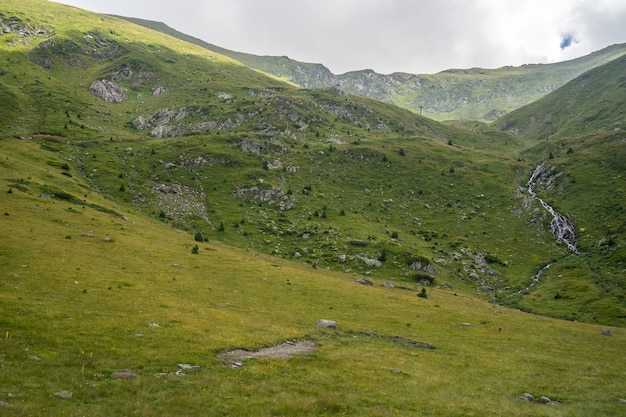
(606, 332)
(66, 395)
(3, 404)
(124, 374)
(389, 284)
(545, 400)
(328, 324)
(153, 325)
(364, 281)
(466, 324)
(622, 401)
(342, 258)
(34, 358)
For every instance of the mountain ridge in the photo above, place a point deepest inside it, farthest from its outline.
(449, 94)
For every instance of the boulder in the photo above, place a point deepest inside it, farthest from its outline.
(374, 263)
(606, 332)
(65, 395)
(327, 324)
(364, 281)
(529, 398)
(108, 91)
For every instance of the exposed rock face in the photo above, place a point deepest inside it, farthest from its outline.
(251, 146)
(159, 123)
(108, 91)
(271, 195)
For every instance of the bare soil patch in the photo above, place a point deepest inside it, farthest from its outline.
(283, 350)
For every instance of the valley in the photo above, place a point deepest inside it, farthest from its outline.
(179, 228)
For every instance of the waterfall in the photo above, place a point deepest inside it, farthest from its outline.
(560, 226)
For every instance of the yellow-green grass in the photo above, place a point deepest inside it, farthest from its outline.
(79, 285)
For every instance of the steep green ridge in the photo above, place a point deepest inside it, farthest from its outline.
(591, 103)
(234, 210)
(475, 94)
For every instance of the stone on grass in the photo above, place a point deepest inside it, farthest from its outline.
(66, 395)
(529, 398)
(606, 332)
(3, 404)
(124, 374)
(364, 281)
(187, 367)
(545, 400)
(328, 324)
(389, 284)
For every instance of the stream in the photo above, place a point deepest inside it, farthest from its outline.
(560, 226)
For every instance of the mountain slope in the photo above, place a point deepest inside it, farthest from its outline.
(333, 180)
(476, 94)
(164, 208)
(591, 103)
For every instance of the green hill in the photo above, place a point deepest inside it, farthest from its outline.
(162, 204)
(591, 103)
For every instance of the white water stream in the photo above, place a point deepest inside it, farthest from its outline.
(560, 226)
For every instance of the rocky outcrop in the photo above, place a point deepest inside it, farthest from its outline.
(274, 196)
(162, 123)
(108, 91)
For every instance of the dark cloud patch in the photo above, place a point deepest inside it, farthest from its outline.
(566, 40)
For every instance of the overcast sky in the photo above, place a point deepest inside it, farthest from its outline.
(414, 36)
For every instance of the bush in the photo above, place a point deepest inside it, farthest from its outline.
(194, 249)
(422, 294)
(198, 237)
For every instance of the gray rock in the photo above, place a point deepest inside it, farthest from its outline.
(342, 258)
(529, 398)
(66, 395)
(389, 284)
(374, 263)
(108, 91)
(3, 404)
(187, 367)
(250, 146)
(606, 332)
(622, 401)
(124, 374)
(364, 281)
(327, 324)
(545, 400)
(157, 91)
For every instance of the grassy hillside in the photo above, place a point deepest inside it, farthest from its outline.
(102, 302)
(591, 103)
(215, 207)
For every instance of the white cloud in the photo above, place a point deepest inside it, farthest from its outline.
(416, 36)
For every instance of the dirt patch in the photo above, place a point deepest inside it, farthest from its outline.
(283, 350)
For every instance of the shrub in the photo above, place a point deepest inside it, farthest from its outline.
(194, 249)
(422, 294)
(198, 237)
